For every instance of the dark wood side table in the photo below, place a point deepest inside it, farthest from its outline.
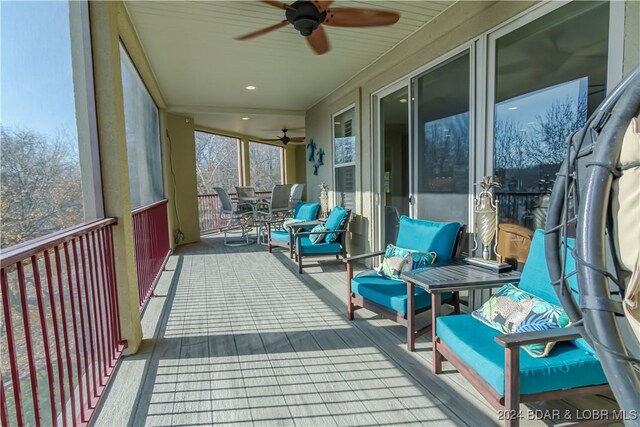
(451, 277)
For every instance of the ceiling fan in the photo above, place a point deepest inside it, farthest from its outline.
(308, 17)
(286, 139)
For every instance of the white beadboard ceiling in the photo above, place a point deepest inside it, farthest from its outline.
(203, 72)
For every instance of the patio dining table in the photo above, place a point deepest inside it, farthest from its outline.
(254, 201)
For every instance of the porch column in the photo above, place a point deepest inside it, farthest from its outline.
(114, 162)
(246, 164)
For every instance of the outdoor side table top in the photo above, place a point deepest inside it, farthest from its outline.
(457, 276)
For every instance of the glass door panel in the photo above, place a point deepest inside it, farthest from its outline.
(550, 75)
(442, 138)
(394, 162)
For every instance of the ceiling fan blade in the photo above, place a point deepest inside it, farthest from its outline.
(266, 30)
(270, 139)
(355, 17)
(277, 4)
(318, 41)
(322, 5)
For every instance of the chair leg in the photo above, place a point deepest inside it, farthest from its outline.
(291, 251)
(511, 386)
(349, 301)
(299, 263)
(436, 307)
(411, 317)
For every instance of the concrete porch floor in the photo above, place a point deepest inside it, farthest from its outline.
(236, 336)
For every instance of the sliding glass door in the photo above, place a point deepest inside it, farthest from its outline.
(394, 165)
(442, 136)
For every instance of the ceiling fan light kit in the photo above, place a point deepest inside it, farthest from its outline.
(307, 17)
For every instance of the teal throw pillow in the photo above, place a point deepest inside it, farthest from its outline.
(399, 260)
(511, 310)
(317, 234)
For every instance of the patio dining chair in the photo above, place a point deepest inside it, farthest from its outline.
(277, 208)
(245, 191)
(238, 214)
(388, 297)
(296, 194)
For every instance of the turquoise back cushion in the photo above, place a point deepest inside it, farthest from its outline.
(335, 218)
(306, 211)
(427, 236)
(535, 275)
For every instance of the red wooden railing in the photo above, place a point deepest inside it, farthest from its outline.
(151, 236)
(209, 211)
(60, 332)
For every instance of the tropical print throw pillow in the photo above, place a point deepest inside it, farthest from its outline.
(399, 260)
(511, 310)
(316, 235)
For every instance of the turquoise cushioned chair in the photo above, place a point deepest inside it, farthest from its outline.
(337, 222)
(502, 372)
(388, 297)
(278, 236)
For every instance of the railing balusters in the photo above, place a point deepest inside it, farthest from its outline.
(151, 236)
(45, 339)
(86, 278)
(82, 309)
(15, 377)
(74, 245)
(22, 283)
(74, 322)
(56, 334)
(100, 322)
(65, 333)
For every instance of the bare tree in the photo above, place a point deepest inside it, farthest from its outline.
(264, 163)
(216, 162)
(40, 185)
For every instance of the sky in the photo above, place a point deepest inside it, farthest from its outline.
(36, 88)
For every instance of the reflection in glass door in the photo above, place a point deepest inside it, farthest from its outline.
(442, 138)
(394, 162)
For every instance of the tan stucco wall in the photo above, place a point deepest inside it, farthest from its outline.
(179, 156)
(631, 36)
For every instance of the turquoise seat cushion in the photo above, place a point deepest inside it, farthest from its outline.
(428, 236)
(280, 235)
(308, 248)
(473, 342)
(389, 293)
(306, 211)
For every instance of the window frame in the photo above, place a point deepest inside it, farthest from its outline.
(335, 166)
(281, 159)
(238, 148)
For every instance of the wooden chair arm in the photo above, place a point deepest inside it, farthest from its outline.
(363, 256)
(537, 337)
(295, 225)
(306, 233)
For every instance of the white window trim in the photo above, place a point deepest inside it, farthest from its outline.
(333, 157)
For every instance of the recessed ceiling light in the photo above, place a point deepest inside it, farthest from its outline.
(250, 87)
(245, 118)
(403, 101)
(513, 108)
